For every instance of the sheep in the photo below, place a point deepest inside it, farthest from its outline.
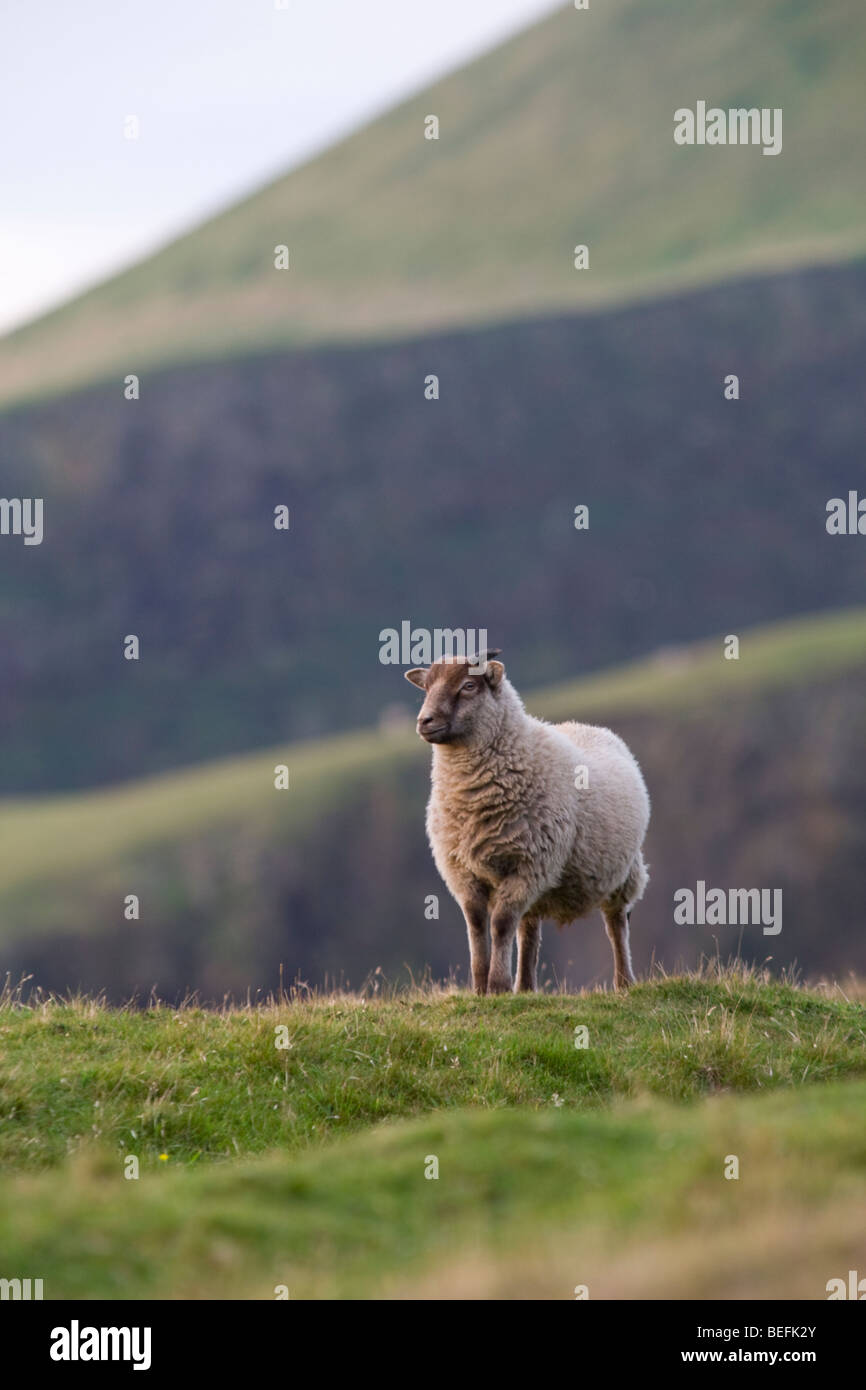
(527, 820)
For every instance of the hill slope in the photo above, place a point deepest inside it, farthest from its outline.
(304, 1167)
(706, 515)
(753, 767)
(564, 135)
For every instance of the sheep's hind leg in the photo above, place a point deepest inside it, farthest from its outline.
(616, 921)
(528, 942)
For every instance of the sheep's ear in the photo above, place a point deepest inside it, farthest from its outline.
(481, 660)
(418, 676)
(494, 673)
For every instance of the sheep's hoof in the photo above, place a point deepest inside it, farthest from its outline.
(498, 986)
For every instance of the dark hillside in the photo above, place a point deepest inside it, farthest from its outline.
(706, 515)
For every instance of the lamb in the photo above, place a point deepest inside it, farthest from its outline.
(516, 831)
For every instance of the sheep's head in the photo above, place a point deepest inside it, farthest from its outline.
(460, 697)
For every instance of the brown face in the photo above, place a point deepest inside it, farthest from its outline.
(456, 692)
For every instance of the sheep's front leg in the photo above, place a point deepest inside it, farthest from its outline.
(503, 929)
(528, 942)
(474, 907)
(509, 902)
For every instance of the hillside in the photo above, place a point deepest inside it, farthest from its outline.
(304, 1167)
(706, 515)
(753, 767)
(564, 135)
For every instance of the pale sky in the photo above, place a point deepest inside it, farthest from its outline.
(228, 93)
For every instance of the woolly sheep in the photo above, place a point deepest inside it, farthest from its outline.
(514, 832)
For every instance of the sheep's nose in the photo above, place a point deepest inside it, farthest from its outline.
(425, 720)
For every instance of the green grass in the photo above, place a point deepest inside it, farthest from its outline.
(209, 1085)
(557, 1165)
(52, 838)
(563, 135)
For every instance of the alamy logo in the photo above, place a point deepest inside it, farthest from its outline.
(22, 516)
(75, 1343)
(738, 126)
(856, 1287)
(738, 907)
(846, 518)
(22, 1289)
(420, 647)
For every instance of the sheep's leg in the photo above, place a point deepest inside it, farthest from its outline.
(528, 942)
(616, 925)
(503, 929)
(474, 907)
(508, 903)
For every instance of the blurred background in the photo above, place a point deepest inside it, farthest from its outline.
(258, 388)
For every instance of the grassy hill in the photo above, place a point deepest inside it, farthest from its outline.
(558, 1166)
(563, 135)
(236, 879)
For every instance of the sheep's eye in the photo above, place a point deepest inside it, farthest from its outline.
(468, 688)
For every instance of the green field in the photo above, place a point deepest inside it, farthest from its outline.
(563, 135)
(304, 1166)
